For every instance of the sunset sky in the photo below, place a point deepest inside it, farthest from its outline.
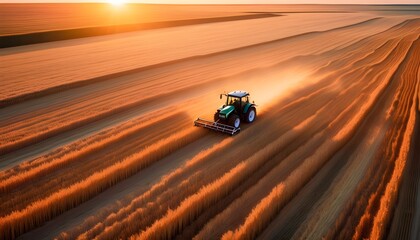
(237, 1)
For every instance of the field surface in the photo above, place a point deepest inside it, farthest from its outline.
(97, 138)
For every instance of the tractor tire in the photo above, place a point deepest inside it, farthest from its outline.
(234, 121)
(216, 116)
(251, 115)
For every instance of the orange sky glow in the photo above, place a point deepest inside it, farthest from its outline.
(234, 1)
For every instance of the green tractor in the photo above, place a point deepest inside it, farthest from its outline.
(228, 117)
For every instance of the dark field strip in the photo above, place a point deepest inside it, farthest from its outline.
(66, 34)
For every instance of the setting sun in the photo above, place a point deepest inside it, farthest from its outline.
(116, 2)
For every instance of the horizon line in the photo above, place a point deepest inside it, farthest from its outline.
(148, 3)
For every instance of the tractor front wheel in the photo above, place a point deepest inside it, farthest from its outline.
(234, 120)
(251, 115)
(216, 116)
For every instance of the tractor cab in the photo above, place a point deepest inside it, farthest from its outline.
(237, 99)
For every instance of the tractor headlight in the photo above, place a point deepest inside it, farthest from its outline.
(222, 116)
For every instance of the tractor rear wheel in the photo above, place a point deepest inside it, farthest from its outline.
(234, 121)
(251, 115)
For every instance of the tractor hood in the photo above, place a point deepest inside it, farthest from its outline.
(227, 110)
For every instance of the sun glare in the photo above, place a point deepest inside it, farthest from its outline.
(116, 2)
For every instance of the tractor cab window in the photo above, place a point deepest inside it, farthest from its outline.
(231, 100)
(234, 101)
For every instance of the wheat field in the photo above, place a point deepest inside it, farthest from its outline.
(97, 137)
